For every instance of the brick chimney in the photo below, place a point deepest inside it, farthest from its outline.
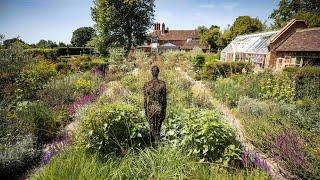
(156, 26)
(163, 29)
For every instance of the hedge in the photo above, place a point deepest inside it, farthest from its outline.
(213, 70)
(64, 51)
(307, 81)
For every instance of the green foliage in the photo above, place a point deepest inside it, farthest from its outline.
(212, 36)
(301, 9)
(213, 70)
(306, 81)
(38, 119)
(81, 36)
(9, 42)
(122, 23)
(48, 54)
(228, 91)
(279, 87)
(117, 55)
(62, 44)
(12, 61)
(33, 77)
(205, 135)
(46, 44)
(113, 130)
(242, 25)
(16, 154)
(162, 163)
(198, 63)
(64, 90)
(74, 51)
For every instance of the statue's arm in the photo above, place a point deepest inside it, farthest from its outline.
(145, 99)
(165, 99)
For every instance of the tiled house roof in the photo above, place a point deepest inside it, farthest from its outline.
(305, 40)
(176, 35)
(189, 45)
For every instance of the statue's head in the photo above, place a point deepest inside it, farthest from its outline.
(155, 71)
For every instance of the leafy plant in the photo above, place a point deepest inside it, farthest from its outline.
(38, 119)
(113, 130)
(205, 135)
(33, 77)
(17, 154)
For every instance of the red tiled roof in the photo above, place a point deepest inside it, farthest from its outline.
(307, 40)
(193, 44)
(176, 35)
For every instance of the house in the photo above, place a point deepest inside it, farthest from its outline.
(162, 39)
(293, 45)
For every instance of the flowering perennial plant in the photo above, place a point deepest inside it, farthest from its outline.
(55, 147)
(84, 100)
(251, 157)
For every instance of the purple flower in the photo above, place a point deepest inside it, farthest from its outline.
(288, 146)
(254, 158)
(98, 72)
(53, 148)
(84, 100)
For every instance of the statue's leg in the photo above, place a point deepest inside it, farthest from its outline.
(152, 124)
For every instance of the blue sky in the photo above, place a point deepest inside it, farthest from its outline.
(33, 20)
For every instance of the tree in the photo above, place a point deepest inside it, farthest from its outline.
(211, 36)
(81, 36)
(122, 23)
(308, 10)
(46, 44)
(242, 25)
(8, 42)
(1, 39)
(62, 44)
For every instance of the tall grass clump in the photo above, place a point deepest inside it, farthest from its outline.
(162, 163)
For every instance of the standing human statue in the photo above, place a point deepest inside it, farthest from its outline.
(155, 103)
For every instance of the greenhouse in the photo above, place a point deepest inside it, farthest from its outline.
(252, 48)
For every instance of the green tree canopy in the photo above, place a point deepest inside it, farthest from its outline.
(122, 22)
(242, 25)
(212, 36)
(308, 10)
(46, 44)
(62, 44)
(81, 36)
(8, 42)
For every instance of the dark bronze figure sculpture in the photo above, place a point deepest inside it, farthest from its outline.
(155, 103)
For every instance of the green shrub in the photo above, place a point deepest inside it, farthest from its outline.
(279, 87)
(33, 77)
(38, 119)
(64, 90)
(228, 91)
(306, 80)
(206, 135)
(113, 130)
(74, 51)
(213, 70)
(48, 54)
(198, 62)
(16, 155)
(117, 55)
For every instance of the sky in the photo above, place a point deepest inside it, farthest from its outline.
(55, 20)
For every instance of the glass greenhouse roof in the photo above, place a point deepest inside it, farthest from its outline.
(250, 44)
